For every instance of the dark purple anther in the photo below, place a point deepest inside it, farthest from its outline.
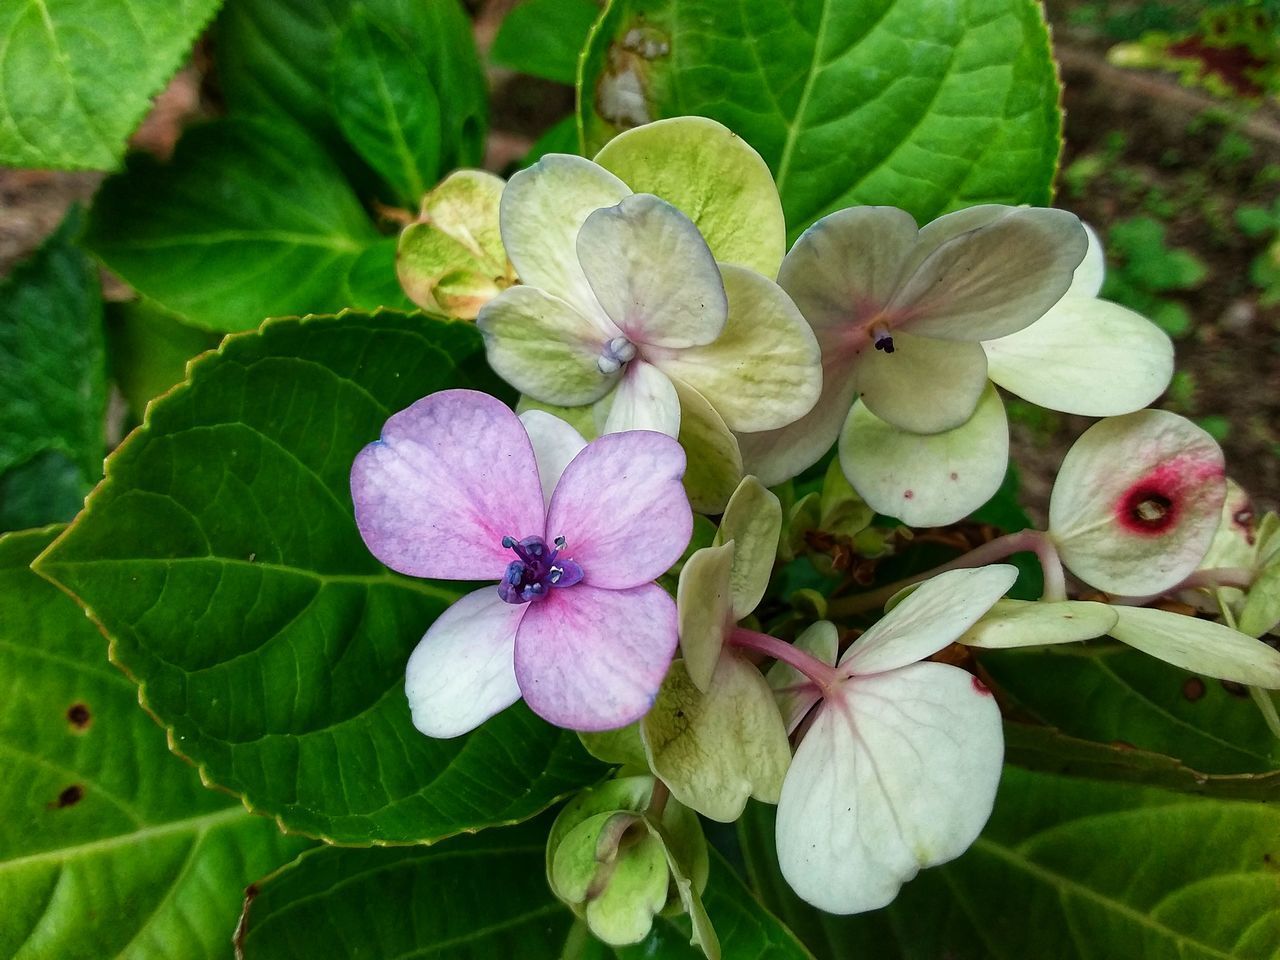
(531, 577)
(884, 342)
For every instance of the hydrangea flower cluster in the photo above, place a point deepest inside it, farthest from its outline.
(672, 360)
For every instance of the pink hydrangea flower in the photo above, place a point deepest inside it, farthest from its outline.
(459, 488)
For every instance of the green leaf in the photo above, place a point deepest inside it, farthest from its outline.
(109, 845)
(924, 105)
(53, 390)
(149, 348)
(543, 38)
(222, 559)
(273, 61)
(386, 107)
(1109, 694)
(1067, 869)
(245, 222)
(78, 78)
(482, 896)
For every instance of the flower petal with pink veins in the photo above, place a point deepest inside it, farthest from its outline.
(462, 672)
(622, 510)
(897, 773)
(935, 614)
(450, 477)
(593, 659)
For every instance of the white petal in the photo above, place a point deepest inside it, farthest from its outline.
(462, 672)
(927, 481)
(653, 273)
(645, 399)
(555, 443)
(1200, 646)
(764, 370)
(1087, 281)
(899, 774)
(778, 455)
(715, 463)
(846, 267)
(1024, 623)
(936, 614)
(545, 347)
(1085, 356)
(925, 385)
(541, 212)
(994, 280)
(1136, 502)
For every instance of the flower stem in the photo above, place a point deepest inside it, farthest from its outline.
(1034, 541)
(821, 674)
(1261, 698)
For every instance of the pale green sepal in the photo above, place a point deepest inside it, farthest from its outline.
(805, 515)
(689, 882)
(581, 418)
(927, 481)
(901, 595)
(715, 750)
(622, 746)
(1025, 623)
(1199, 645)
(753, 521)
(542, 346)
(714, 461)
(1268, 538)
(1261, 611)
(618, 891)
(705, 604)
(711, 175)
(843, 512)
(764, 371)
(793, 692)
(452, 260)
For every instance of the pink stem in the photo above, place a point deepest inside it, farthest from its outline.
(823, 675)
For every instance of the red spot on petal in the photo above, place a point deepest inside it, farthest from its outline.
(980, 687)
(1153, 504)
(908, 494)
(954, 475)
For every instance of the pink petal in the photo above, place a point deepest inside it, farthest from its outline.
(450, 477)
(593, 659)
(622, 510)
(461, 673)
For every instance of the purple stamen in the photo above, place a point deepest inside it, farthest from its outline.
(616, 353)
(537, 570)
(884, 342)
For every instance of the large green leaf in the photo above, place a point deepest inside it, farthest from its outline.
(247, 221)
(543, 38)
(149, 348)
(53, 390)
(109, 844)
(1068, 870)
(387, 108)
(221, 557)
(274, 60)
(483, 896)
(1110, 693)
(923, 105)
(76, 78)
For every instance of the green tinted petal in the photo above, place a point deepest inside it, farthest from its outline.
(753, 521)
(1022, 623)
(714, 177)
(705, 604)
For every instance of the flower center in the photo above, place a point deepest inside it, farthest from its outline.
(616, 352)
(536, 571)
(881, 337)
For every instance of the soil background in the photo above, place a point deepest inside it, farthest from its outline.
(1139, 144)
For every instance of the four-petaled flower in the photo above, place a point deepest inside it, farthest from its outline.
(459, 488)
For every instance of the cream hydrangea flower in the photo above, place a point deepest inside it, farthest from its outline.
(626, 304)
